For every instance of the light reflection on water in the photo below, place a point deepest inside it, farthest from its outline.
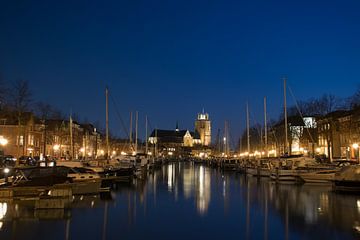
(186, 201)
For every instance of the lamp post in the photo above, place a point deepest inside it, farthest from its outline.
(356, 147)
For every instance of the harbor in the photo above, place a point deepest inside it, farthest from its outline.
(161, 205)
(179, 120)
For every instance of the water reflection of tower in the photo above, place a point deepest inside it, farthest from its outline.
(203, 190)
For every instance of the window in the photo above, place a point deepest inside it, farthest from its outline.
(20, 140)
(31, 140)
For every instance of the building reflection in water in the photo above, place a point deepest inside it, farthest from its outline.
(3, 211)
(203, 190)
(292, 211)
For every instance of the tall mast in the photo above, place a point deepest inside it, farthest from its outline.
(248, 128)
(136, 131)
(156, 142)
(146, 135)
(285, 116)
(131, 132)
(107, 122)
(265, 126)
(71, 138)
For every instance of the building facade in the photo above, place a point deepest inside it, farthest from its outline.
(203, 127)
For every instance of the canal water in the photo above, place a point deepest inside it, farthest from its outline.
(187, 201)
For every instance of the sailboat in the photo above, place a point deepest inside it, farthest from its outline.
(288, 167)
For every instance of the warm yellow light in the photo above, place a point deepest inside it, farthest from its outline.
(123, 153)
(170, 153)
(318, 150)
(82, 150)
(102, 152)
(133, 153)
(149, 153)
(56, 147)
(355, 146)
(113, 152)
(3, 210)
(3, 141)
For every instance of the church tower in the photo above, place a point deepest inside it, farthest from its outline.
(203, 127)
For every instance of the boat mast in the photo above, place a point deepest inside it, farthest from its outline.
(71, 138)
(156, 142)
(136, 131)
(248, 128)
(107, 121)
(265, 127)
(146, 135)
(130, 135)
(285, 116)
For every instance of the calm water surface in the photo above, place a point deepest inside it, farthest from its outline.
(183, 201)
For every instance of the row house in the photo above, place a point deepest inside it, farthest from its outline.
(339, 134)
(32, 136)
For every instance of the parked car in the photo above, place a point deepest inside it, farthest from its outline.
(27, 160)
(7, 161)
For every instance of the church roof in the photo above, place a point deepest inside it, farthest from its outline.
(172, 135)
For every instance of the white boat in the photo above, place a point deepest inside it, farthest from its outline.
(323, 176)
(84, 181)
(290, 168)
(348, 179)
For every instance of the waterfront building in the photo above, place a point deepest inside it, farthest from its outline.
(302, 136)
(339, 134)
(174, 142)
(21, 138)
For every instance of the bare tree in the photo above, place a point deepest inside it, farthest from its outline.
(3, 94)
(21, 99)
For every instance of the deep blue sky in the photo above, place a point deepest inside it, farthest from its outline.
(169, 59)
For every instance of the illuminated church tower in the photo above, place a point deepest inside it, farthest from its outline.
(203, 127)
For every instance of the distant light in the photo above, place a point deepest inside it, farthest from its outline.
(170, 153)
(123, 153)
(56, 147)
(3, 141)
(6, 170)
(355, 146)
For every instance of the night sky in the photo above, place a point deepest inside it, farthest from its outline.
(171, 59)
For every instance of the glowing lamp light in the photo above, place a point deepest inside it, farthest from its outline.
(56, 147)
(6, 170)
(170, 153)
(3, 141)
(113, 152)
(355, 146)
(82, 150)
(318, 150)
(123, 153)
